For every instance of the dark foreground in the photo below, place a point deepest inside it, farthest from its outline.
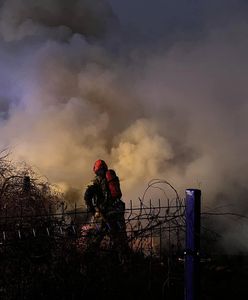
(47, 271)
(225, 277)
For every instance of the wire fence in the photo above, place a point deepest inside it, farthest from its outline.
(48, 242)
(50, 251)
(150, 227)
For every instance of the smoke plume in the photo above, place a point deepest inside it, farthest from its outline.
(177, 111)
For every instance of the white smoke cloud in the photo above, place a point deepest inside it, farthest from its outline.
(141, 152)
(178, 113)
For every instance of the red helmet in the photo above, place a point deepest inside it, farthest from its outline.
(100, 165)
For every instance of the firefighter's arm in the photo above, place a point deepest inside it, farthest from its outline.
(88, 197)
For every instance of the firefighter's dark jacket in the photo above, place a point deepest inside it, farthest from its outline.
(97, 196)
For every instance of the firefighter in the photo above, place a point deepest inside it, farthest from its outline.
(103, 201)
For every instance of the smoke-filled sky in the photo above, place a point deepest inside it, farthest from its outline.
(158, 89)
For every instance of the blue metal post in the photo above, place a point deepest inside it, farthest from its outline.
(192, 245)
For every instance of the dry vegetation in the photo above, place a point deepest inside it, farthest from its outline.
(39, 254)
(23, 192)
(39, 264)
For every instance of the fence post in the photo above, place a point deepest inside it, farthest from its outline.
(192, 245)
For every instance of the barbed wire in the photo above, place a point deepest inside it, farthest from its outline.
(34, 214)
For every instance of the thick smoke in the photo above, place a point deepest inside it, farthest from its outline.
(178, 112)
(57, 18)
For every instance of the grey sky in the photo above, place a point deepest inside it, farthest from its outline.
(159, 17)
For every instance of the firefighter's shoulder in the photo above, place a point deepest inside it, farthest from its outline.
(88, 185)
